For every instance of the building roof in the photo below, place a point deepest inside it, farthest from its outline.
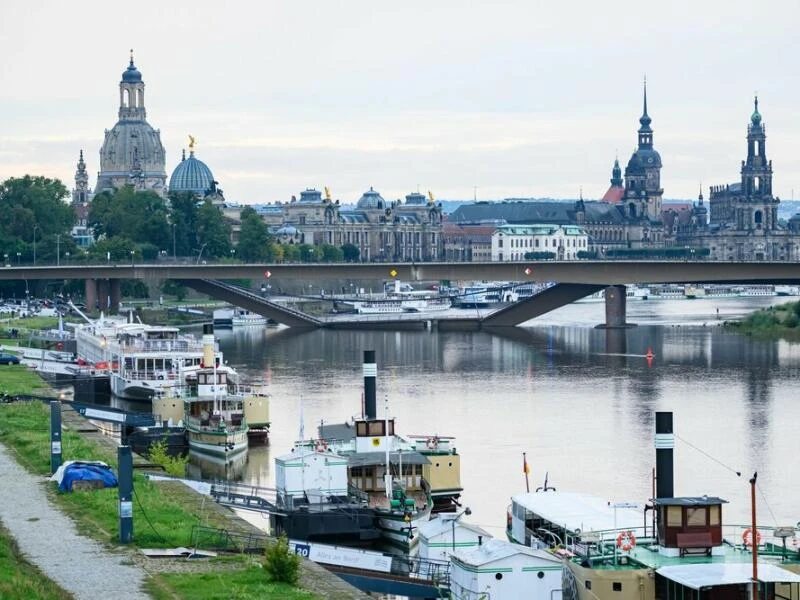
(131, 74)
(613, 195)
(691, 501)
(191, 175)
(494, 550)
(365, 459)
(527, 211)
(579, 512)
(538, 229)
(371, 200)
(698, 576)
(443, 524)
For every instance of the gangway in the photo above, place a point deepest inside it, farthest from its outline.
(108, 414)
(246, 497)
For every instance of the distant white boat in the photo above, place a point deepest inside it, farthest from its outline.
(397, 298)
(787, 290)
(245, 317)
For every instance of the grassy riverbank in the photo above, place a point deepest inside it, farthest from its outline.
(782, 321)
(164, 514)
(19, 580)
(18, 379)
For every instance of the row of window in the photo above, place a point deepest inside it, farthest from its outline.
(546, 242)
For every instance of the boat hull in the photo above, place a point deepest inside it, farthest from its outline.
(215, 443)
(399, 532)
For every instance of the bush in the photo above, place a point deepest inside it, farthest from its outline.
(281, 563)
(173, 465)
(791, 321)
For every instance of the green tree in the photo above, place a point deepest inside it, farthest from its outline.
(253, 237)
(291, 252)
(182, 218)
(213, 232)
(330, 253)
(34, 206)
(138, 215)
(350, 253)
(173, 288)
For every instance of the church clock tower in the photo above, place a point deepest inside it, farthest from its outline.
(643, 190)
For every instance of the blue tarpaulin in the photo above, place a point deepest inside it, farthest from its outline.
(85, 471)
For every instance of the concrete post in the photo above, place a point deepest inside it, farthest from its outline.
(102, 294)
(55, 435)
(615, 306)
(125, 480)
(115, 295)
(90, 294)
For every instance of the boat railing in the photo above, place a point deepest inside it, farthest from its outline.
(180, 345)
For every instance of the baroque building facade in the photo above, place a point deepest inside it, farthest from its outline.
(132, 153)
(741, 221)
(628, 215)
(381, 230)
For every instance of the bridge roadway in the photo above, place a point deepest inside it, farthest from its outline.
(604, 273)
(576, 279)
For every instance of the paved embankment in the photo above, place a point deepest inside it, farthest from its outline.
(50, 540)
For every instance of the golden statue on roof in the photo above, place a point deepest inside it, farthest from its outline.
(191, 143)
(327, 193)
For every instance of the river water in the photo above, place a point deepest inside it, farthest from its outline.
(579, 401)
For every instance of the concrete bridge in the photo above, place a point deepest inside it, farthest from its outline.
(576, 279)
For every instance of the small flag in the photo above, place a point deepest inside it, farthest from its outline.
(525, 468)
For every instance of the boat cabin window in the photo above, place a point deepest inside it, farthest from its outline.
(373, 428)
(696, 517)
(713, 515)
(674, 516)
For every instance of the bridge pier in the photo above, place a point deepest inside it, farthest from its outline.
(616, 308)
(115, 294)
(90, 294)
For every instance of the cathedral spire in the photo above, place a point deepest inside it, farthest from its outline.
(645, 118)
(616, 174)
(755, 118)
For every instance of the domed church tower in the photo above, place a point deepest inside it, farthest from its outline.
(643, 191)
(132, 152)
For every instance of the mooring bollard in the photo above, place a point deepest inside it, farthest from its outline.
(55, 435)
(125, 480)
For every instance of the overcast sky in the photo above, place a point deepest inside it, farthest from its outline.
(512, 99)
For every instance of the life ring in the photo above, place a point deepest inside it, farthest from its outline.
(626, 541)
(432, 443)
(59, 346)
(322, 446)
(747, 537)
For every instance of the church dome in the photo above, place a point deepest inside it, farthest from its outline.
(191, 175)
(371, 199)
(644, 158)
(131, 74)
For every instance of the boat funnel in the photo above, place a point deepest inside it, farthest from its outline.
(665, 442)
(208, 345)
(370, 377)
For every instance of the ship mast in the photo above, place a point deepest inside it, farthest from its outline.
(387, 476)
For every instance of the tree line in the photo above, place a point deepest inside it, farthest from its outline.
(36, 225)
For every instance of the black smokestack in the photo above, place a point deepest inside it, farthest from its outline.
(370, 376)
(665, 442)
(208, 329)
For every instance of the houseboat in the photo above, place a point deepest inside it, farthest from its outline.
(668, 548)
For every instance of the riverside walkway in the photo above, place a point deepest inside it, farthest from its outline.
(50, 540)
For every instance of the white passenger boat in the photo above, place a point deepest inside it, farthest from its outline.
(787, 290)
(397, 298)
(749, 291)
(144, 360)
(243, 317)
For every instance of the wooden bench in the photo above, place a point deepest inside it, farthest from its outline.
(695, 543)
